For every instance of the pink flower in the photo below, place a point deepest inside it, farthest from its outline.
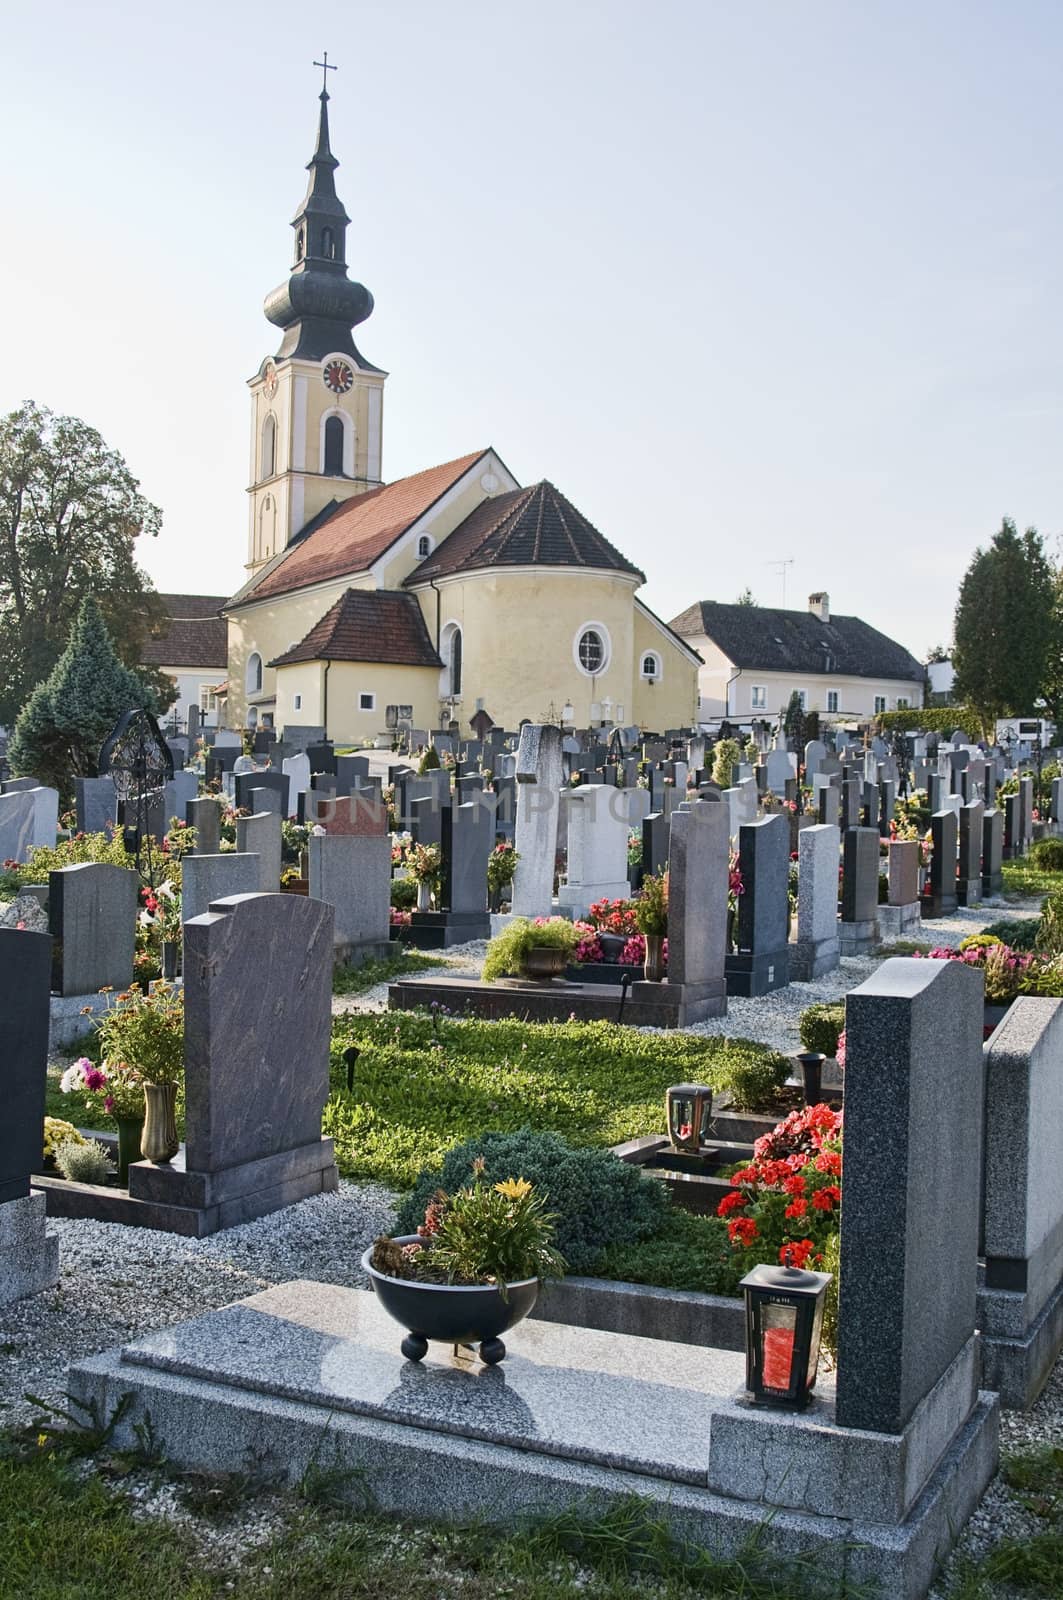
(94, 1078)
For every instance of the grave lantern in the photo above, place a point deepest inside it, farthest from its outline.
(688, 1109)
(784, 1318)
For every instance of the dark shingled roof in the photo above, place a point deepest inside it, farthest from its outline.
(368, 625)
(535, 527)
(195, 633)
(765, 639)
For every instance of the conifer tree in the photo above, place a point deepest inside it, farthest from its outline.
(1006, 629)
(66, 719)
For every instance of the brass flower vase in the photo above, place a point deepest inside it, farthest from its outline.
(653, 965)
(159, 1142)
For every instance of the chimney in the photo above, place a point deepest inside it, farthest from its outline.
(819, 605)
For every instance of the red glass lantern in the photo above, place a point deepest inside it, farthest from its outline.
(688, 1109)
(784, 1320)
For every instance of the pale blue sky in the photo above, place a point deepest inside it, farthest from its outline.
(750, 281)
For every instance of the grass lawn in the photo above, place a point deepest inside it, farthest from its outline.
(356, 980)
(1023, 880)
(68, 1533)
(423, 1083)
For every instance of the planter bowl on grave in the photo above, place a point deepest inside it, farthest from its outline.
(474, 1314)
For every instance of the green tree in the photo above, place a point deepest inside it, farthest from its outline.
(1007, 635)
(746, 598)
(70, 513)
(67, 717)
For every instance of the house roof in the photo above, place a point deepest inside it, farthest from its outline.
(770, 640)
(368, 625)
(534, 527)
(193, 633)
(349, 538)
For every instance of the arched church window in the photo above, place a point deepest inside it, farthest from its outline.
(254, 673)
(269, 446)
(424, 547)
(328, 244)
(455, 662)
(334, 447)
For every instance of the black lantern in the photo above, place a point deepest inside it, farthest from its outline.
(688, 1108)
(784, 1318)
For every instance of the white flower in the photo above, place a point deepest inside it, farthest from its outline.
(166, 890)
(74, 1076)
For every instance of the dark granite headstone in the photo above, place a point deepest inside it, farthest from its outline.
(860, 859)
(852, 802)
(92, 911)
(655, 835)
(909, 1228)
(992, 852)
(96, 804)
(248, 782)
(25, 980)
(945, 833)
(322, 757)
(760, 962)
(1012, 827)
(472, 838)
(830, 798)
(969, 881)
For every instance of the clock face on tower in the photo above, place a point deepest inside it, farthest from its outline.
(338, 377)
(269, 381)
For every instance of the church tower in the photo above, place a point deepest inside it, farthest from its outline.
(317, 405)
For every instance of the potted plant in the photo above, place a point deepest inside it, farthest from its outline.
(651, 916)
(501, 865)
(423, 862)
(539, 949)
(471, 1271)
(118, 1090)
(146, 1031)
(820, 1027)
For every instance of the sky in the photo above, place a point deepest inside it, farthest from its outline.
(751, 283)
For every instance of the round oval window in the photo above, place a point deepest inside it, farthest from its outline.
(591, 651)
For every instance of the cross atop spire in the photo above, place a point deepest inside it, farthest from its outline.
(326, 68)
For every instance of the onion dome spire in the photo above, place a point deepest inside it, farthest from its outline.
(319, 305)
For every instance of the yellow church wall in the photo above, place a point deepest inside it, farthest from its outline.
(672, 700)
(519, 632)
(390, 685)
(271, 627)
(302, 682)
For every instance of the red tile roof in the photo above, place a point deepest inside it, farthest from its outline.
(535, 527)
(194, 633)
(360, 530)
(368, 625)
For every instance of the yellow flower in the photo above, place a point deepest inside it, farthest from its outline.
(514, 1188)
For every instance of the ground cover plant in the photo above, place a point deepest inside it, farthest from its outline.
(424, 1081)
(1022, 880)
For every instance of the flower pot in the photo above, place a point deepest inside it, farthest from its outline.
(543, 962)
(494, 899)
(811, 1063)
(130, 1130)
(451, 1313)
(653, 966)
(169, 959)
(159, 1141)
(612, 945)
(424, 897)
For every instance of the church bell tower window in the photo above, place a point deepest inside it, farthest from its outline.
(334, 447)
(269, 447)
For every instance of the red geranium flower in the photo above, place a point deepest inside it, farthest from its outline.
(742, 1231)
(797, 1208)
(731, 1202)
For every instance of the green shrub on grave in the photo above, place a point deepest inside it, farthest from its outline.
(1047, 854)
(403, 894)
(754, 1080)
(598, 1200)
(1020, 933)
(820, 1026)
(1049, 938)
(686, 1252)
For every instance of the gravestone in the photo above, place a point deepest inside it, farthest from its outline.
(887, 790)
(817, 950)
(538, 774)
(969, 880)
(992, 853)
(95, 804)
(830, 799)
(352, 873)
(249, 782)
(869, 810)
(360, 814)
(322, 757)
(815, 753)
(851, 803)
(1025, 813)
(909, 1233)
(256, 1063)
(1012, 827)
(936, 791)
(1056, 812)
(205, 879)
(597, 849)
(656, 828)
(29, 1257)
(351, 768)
(19, 785)
(760, 961)
(260, 835)
(1021, 1304)
(178, 748)
(179, 790)
(92, 911)
(205, 816)
(426, 821)
(858, 929)
(302, 734)
(297, 770)
(899, 918)
(945, 834)
(699, 848)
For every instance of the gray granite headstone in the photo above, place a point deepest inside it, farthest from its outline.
(352, 873)
(19, 785)
(472, 839)
(830, 798)
(902, 872)
(852, 803)
(817, 950)
(944, 828)
(92, 911)
(764, 861)
(538, 775)
(205, 816)
(815, 752)
(248, 782)
(181, 788)
(205, 879)
(260, 835)
(909, 1228)
(95, 804)
(17, 830)
(699, 847)
(860, 875)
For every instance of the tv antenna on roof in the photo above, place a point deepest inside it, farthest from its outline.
(780, 567)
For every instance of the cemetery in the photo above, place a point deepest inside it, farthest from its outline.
(542, 1048)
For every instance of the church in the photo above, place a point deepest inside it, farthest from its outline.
(368, 605)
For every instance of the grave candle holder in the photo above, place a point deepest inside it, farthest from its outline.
(784, 1321)
(688, 1112)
